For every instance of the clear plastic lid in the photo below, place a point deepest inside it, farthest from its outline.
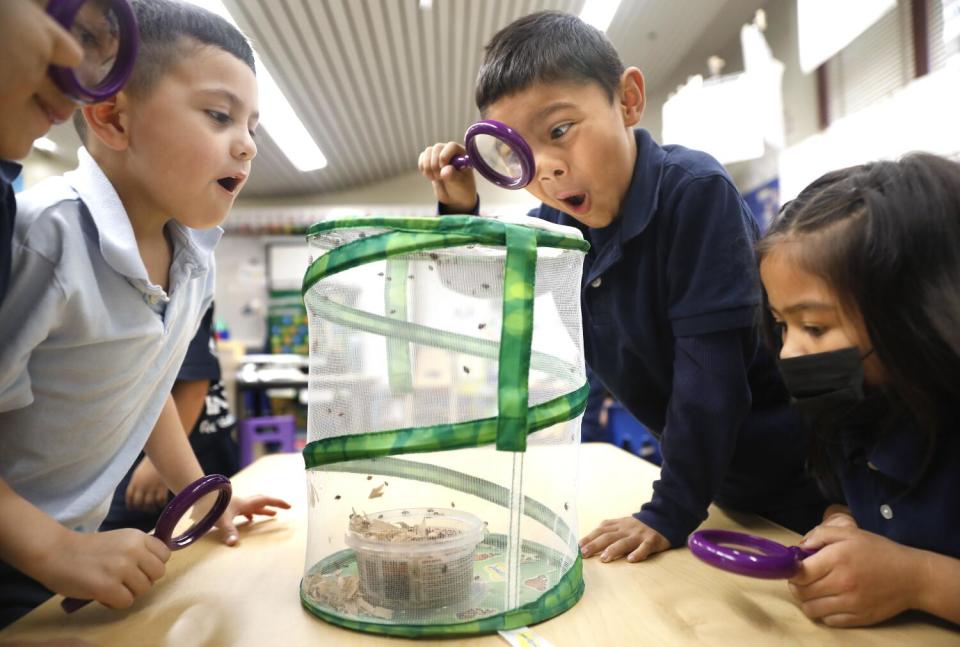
(414, 530)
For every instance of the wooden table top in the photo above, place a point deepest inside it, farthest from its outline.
(213, 595)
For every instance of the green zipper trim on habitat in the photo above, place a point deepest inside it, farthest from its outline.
(460, 435)
(566, 593)
(454, 480)
(410, 235)
(562, 596)
(516, 335)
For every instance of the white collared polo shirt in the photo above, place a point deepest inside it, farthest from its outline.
(89, 347)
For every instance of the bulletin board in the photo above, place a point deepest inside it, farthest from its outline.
(287, 330)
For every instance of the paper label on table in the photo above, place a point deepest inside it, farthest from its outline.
(524, 637)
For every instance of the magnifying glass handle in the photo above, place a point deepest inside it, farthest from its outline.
(172, 513)
(72, 604)
(460, 161)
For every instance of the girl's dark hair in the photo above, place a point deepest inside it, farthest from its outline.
(886, 238)
(548, 47)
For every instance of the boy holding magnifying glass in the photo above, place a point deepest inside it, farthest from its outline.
(670, 292)
(113, 271)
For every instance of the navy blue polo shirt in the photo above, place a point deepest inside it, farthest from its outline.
(210, 437)
(896, 488)
(8, 210)
(670, 300)
(200, 362)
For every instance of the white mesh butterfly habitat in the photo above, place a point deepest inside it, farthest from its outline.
(447, 385)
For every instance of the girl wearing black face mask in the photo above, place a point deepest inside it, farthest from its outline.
(861, 276)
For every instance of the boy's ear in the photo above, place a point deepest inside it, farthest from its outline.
(631, 96)
(108, 121)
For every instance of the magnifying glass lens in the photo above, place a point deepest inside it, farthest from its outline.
(499, 155)
(194, 515)
(96, 29)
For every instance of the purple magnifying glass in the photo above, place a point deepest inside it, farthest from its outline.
(106, 30)
(187, 518)
(745, 554)
(498, 153)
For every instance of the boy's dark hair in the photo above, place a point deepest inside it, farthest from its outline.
(885, 238)
(169, 32)
(547, 47)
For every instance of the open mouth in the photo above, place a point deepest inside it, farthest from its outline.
(229, 183)
(574, 200)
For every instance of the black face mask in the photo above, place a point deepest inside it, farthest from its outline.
(825, 386)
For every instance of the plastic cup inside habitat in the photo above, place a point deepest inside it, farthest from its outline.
(415, 558)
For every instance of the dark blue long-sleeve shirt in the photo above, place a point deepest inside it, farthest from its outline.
(8, 210)
(670, 298)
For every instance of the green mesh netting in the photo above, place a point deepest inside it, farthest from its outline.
(446, 388)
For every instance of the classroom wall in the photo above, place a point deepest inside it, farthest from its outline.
(801, 117)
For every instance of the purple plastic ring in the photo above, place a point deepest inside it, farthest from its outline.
(184, 500)
(507, 135)
(178, 506)
(65, 12)
(745, 554)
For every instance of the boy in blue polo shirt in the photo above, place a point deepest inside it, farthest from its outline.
(112, 272)
(30, 42)
(670, 291)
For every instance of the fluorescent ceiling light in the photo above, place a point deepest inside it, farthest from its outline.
(599, 13)
(276, 113)
(46, 145)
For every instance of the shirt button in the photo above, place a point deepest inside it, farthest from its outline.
(886, 511)
(597, 282)
(872, 466)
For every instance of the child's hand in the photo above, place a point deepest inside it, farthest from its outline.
(246, 507)
(113, 568)
(626, 536)
(455, 189)
(857, 578)
(838, 515)
(146, 490)
(839, 520)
